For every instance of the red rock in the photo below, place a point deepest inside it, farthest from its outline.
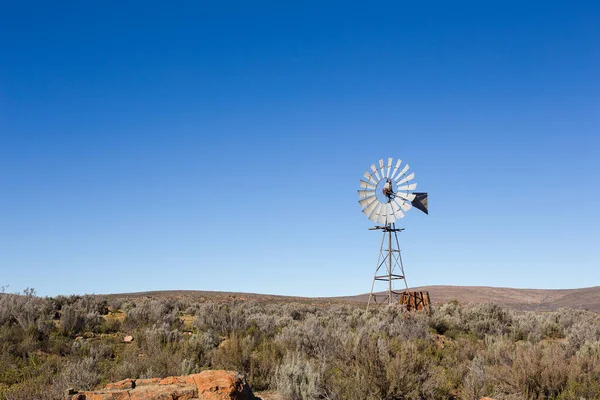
(98, 396)
(207, 385)
(102, 395)
(185, 393)
(124, 384)
(222, 385)
(144, 382)
(173, 380)
(164, 392)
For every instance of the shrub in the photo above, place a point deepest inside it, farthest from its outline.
(151, 313)
(487, 319)
(26, 310)
(225, 319)
(81, 374)
(297, 379)
(72, 321)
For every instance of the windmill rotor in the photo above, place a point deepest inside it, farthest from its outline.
(387, 191)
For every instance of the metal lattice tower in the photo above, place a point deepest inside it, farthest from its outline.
(389, 267)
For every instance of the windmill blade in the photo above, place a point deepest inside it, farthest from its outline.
(384, 209)
(374, 169)
(403, 172)
(401, 195)
(405, 196)
(367, 201)
(405, 206)
(412, 186)
(389, 218)
(367, 185)
(397, 211)
(390, 213)
(378, 208)
(389, 166)
(382, 168)
(374, 217)
(376, 212)
(382, 219)
(406, 178)
(370, 178)
(365, 193)
(370, 208)
(396, 168)
(386, 215)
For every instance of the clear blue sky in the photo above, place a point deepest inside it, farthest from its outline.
(188, 145)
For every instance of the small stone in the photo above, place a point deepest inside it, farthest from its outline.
(128, 339)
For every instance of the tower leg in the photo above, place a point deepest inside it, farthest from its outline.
(401, 264)
(390, 266)
(372, 295)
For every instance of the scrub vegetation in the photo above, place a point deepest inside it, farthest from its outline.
(301, 350)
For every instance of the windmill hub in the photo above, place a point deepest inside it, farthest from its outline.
(388, 189)
(385, 194)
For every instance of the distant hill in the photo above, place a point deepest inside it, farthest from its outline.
(522, 299)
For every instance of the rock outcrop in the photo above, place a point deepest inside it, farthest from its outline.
(207, 385)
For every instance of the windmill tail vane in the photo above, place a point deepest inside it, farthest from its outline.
(420, 202)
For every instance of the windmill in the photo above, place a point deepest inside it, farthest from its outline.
(385, 194)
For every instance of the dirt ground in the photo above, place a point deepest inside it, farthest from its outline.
(267, 395)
